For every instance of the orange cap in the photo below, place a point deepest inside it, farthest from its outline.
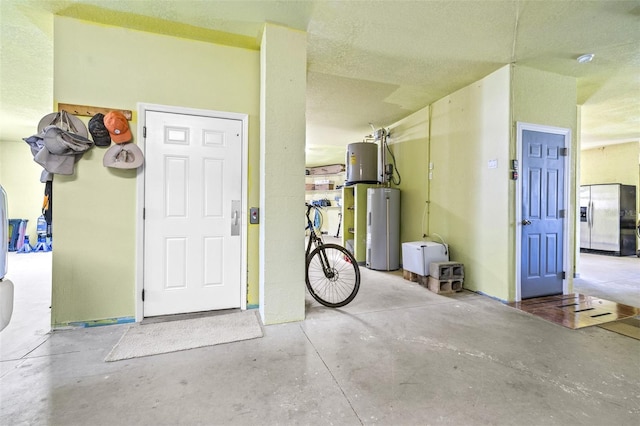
(118, 127)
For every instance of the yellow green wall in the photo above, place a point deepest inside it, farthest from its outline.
(95, 210)
(549, 99)
(612, 164)
(20, 178)
(469, 204)
(283, 84)
(409, 142)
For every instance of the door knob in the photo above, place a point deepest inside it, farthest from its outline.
(526, 222)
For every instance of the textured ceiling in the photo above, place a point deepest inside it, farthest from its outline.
(368, 61)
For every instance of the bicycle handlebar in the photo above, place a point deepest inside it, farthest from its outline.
(309, 220)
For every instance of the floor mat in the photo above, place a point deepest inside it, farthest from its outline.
(157, 338)
(628, 327)
(576, 310)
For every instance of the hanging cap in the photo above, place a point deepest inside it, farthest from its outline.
(98, 131)
(118, 127)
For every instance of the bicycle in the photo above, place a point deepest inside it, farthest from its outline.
(332, 273)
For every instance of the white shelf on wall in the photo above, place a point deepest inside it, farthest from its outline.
(330, 214)
(354, 219)
(327, 175)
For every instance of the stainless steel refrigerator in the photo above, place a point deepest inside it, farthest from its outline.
(607, 218)
(383, 229)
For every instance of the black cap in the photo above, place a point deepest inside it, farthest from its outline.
(98, 131)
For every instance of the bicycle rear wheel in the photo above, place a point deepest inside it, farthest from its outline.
(338, 282)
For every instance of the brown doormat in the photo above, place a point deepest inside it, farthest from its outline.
(576, 310)
(628, 327)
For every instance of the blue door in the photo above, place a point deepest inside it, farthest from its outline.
(543, 213)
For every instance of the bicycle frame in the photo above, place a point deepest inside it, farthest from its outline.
(315, 240)
(332, 273)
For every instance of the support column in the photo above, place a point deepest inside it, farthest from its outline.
(283, 82)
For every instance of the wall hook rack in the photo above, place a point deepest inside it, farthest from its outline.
(90, 111)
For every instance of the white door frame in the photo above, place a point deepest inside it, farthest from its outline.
(244, 118)
(568, 215)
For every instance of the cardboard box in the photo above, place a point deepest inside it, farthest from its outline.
(324, 186)
(331, 169)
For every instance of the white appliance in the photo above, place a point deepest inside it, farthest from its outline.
(607, 218)
(418, 255)
(6, 286)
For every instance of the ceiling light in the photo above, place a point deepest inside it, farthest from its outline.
(586, 58)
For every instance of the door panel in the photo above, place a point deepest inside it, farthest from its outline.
(542, 221)
(585, 217)
(605, 229)
(193, 176)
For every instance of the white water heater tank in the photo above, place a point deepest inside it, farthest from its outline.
(361, 163)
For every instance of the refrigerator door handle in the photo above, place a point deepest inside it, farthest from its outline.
(590, 214)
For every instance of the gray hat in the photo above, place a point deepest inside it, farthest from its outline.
(123, 156)
(61, 150)
(36, 142)
(64, 121)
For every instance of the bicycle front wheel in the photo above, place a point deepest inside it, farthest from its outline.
(333, 275)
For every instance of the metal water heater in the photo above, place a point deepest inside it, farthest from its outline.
(361, 163)
(383, 229)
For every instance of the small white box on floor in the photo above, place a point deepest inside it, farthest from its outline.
(418, 255)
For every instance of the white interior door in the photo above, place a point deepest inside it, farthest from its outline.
(192, 232)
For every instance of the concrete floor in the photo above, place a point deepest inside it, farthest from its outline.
(397, 355)
(609, 277)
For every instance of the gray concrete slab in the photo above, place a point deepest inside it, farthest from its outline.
(278, 379)
(31, 319)
(612, 278)
(397, 355)
(469, 365)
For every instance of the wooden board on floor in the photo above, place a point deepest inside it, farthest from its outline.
(576, 310)
(628, 327)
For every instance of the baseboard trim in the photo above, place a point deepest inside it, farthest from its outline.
(93, 323)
